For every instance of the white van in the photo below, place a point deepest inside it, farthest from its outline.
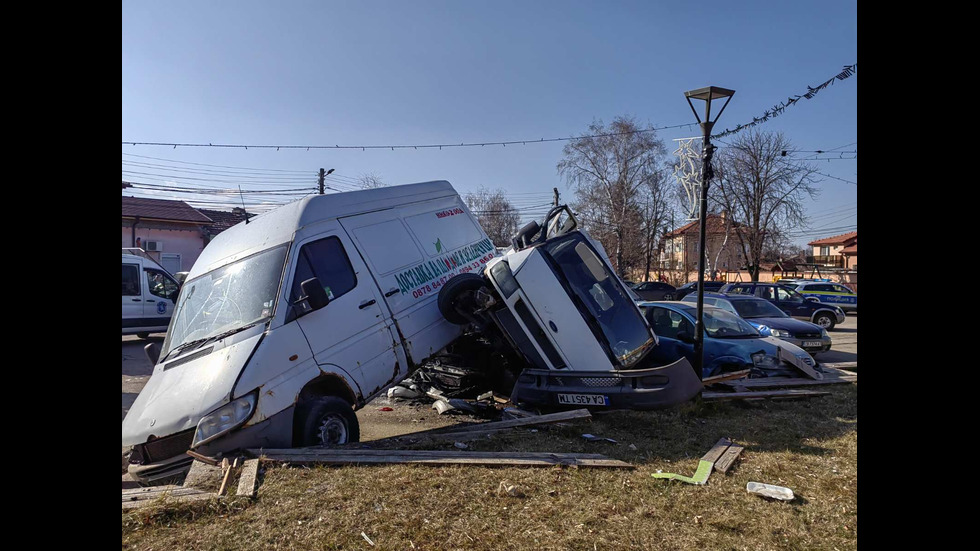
(149, 294)
(289, 322)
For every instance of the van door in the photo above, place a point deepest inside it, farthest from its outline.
(159, 296)
(132, 294)
(412, 251)
(353, 331)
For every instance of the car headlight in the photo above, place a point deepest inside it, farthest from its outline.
(764, 330)
(761, 359)
(781, 333)
(225, 418)
(823, 332)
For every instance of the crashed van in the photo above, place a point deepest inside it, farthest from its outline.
(554, 300)
(291, 321)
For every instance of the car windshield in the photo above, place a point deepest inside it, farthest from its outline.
(599, 291)
(721, 324)
(231, 297)
(757, 309)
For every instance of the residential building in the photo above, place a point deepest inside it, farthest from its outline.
(171, 232)
(839, 251)
(680, 246)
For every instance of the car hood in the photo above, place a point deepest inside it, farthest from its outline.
(789, 324)
(182, 390)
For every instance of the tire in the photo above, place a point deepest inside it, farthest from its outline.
(143, 335)
(825, 320)
(453, 291)
(668, 296)
(328, 420)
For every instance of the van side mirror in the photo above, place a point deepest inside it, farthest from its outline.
(314, 294)
(152, 352)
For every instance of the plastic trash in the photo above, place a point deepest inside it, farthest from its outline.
(769, 490)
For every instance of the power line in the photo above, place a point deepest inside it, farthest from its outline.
(836, 178)
(219, 166)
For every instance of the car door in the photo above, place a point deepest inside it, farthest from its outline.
(668, 324)
(353, 331)
(160, 294)
(793, 303)
(132, 294)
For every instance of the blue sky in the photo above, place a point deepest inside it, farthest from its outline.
(385, 72)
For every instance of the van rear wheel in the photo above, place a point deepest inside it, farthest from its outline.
(326, 421)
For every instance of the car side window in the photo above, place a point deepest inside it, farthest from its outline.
(787, 296)
(842, 289)
(767, 293)
(130, 280)
(327, 261)
(660, 320)
(159, 284)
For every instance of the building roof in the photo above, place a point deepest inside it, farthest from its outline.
(716, 224)
(850, 249)
(842, 239)
(162, 209)
(224, 219)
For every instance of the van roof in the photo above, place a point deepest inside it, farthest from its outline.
(279, 225)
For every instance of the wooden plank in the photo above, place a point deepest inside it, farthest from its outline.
(170, 498)
(726, 377)
(715, 452)
(451, 457)
(286, 453)
(787, 393)
(775, 382)
(139, 497)
(495, 425)
(248, 481)
(728, 458)
(840, 365)
(226, 467)
(203, 458)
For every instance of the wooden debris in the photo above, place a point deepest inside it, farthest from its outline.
(775, 382)
(436, 457)
(203, 458)
(226, 468)
(728, 458)
(140, 497)
(786, 393)
(715, 452)
(726, 377)
(248, 481)
(798, 363)
(456, 431)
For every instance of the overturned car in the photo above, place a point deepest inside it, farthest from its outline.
(553, 300)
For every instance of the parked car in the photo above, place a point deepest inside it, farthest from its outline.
(655, 290)
(692, 287)
(730, 342)
(770, 320)
(149, 294)
(827, 292)
(791, 302)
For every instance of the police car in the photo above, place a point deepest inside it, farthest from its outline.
(825, 291)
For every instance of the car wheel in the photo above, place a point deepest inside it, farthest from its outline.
(825, 320)
(456, 290)
(668, 296)
(143, 335)
(328, 420)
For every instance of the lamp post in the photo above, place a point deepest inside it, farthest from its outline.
(707, 150)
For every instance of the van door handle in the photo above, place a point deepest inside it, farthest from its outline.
(137, 299)
(150, 300)
(364, 305)
(391, 292)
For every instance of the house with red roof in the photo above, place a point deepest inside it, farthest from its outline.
(838, 250)
(680, 246)
(173, 233)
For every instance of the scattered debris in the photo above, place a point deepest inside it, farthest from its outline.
(332, 456)
(769, 490)
(403, 393)
(787, 393)
(594, 438)
(248, 481)
(704, 465)
(633, 447)
(140, 497)
(727, 459)
(460, 445)
(442, 406)
(456, 431)
(386, 408)
(508, 489)
(726, 377)
(367, 539)
(203, 458)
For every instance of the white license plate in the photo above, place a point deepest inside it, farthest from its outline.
(810, 344)
(584, 399)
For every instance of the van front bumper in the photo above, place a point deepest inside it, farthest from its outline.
(651, 388)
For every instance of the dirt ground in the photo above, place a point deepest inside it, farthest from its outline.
(404, 417)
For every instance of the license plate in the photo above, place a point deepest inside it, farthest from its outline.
(812, 344)
(584, 399)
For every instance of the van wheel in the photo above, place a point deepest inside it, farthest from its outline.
(328, 420)
(457, 291)
(825, 320)
(143, 335)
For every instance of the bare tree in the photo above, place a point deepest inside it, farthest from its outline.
(608, 172)
(495, 213)
(370, 181)
(762, 190)
(655, 212)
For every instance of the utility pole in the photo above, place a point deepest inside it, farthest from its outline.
(323, 175)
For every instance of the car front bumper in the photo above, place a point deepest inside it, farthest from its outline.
(641, 389)
(824, 346)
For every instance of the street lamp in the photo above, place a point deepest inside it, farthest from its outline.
(707, 150)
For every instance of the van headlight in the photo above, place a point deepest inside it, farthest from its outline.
(761, 359)
(225, 418)
(501, 274)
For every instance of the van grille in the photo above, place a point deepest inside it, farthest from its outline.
(162, 448)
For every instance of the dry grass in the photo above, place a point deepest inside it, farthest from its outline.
(809, 446)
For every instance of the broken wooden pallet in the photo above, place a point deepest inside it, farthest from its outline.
(454, 431)
(140, 497)
(308, 456)
(752, 394)
(831, 377)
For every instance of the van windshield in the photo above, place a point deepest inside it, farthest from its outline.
(604, 299)
(229, 298)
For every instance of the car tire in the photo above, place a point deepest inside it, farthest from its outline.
(668, 296)
(143, 335)
(326, 421)
(825, 320)
(453, 290)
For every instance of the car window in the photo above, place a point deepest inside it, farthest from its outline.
(821, 287)
(842, 289)
(788, 295)
(753, 308)
(667, 323)
(741, 289)
(725, 305)
(160, 284)
(130, 280)
(327, 261)
(768, 293)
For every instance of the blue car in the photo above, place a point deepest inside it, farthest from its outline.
(770, 320)
(730, 342)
